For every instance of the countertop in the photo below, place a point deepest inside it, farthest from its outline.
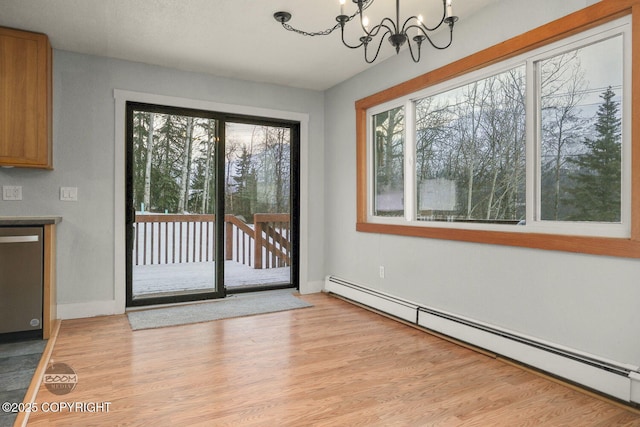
(28, 220)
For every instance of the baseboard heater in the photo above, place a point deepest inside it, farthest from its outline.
(621, 381)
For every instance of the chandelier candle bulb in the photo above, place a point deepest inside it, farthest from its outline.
(449, 9)
(342, 7)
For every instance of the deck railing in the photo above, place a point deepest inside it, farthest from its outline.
(176, 239)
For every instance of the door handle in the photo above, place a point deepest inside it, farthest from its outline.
(19, 239)
(131, 215)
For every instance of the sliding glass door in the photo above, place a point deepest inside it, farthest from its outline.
(258, 183)
(212, 204)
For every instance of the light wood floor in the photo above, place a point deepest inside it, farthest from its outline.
(334, 364)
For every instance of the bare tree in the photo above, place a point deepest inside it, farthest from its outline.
(186, 163)
(209, 149)
(563, 88)
(474, 136)
(471, 110)
(278, 151)
(503, 127)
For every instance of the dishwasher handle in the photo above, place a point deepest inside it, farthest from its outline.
(19, 239)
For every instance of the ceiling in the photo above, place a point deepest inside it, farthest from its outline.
(227, 38)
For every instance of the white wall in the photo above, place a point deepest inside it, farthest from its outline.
(83, 138)
(588, 303)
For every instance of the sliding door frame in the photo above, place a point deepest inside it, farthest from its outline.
(221, 119)
(294, 196)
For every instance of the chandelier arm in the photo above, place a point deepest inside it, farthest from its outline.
(377, 50)
(376, 29)
(394, 26)
(442, 20)
(344, 42)
(435, 46)
(419, 28)
(411, 50)
(421, 24)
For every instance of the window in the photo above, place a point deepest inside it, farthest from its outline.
(470, 151)
(388, 131)
(581, 94)
(521, 149)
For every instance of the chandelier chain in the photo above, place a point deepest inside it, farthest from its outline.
(286, 26)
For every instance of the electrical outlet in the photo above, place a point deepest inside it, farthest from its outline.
(11, 192)
(382, 271)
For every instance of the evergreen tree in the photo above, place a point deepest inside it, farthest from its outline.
(245, 185)
(595, 194)
(165, 191)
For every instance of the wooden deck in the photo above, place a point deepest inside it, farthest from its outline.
(334, 364)
(197, 276)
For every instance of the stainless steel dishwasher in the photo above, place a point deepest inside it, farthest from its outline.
(21, 285)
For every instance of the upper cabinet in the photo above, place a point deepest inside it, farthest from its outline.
(25, 99)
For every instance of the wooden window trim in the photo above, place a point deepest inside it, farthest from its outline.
(589, 17)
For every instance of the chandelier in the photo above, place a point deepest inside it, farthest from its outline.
(413, 30)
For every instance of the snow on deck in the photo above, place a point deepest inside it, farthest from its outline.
(198, 276)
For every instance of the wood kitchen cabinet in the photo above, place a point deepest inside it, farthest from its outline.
(25, 99)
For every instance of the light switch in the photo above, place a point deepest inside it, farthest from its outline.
(11, 192)
(69, 194)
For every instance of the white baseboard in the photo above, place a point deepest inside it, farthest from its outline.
(106, 308)
(613, 384)
(618, 380)
(312, 287)
(635, 386)
(87, 309)
(384, 302)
